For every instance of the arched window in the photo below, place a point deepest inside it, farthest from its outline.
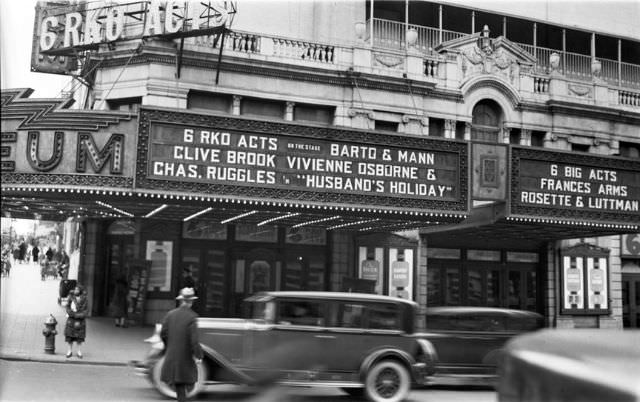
(486, 121)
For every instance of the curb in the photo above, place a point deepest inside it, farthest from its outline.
(56, 360)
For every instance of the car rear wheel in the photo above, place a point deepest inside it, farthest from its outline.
(167, 390)
(387, 381)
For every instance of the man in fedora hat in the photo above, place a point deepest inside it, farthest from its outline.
(180, 336)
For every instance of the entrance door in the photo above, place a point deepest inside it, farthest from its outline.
(119, 253)
(631, 300)
(206, 264)
(253, 270)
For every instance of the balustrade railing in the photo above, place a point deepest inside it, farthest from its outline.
(391, 34)
(431, 68)
(303, 50)
(541, 85)
(629, 98)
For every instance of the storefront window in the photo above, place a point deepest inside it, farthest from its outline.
(453, 286)
(474, 287)
(434, 283)
(204, 229)
(265, 234)
(493, 288)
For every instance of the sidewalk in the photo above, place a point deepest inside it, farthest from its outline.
(21, 339)
(26, 302)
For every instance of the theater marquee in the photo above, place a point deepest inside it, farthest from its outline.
(243, 157)
(562, 185)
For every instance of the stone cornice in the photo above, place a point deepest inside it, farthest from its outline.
(592, 111)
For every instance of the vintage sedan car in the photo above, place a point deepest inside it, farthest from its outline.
(571, 365)
(469, 340)
(365, 344)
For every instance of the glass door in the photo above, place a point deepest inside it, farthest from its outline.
(203, 267)
(253, 271)
(304, 270)
(120, 252)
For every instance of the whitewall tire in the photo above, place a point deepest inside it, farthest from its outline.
(387, 381)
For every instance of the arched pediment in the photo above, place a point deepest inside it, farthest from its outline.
(489, 87)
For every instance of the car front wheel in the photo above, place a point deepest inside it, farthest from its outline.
(387, 381)
(167, 390)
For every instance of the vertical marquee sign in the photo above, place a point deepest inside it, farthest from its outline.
(573, 187)
(268, 160)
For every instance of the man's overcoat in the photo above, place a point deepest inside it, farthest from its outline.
(180, 336)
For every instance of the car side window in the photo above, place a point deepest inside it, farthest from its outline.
(383, 316)
(350, 315)
(480, 322)
(300, 312)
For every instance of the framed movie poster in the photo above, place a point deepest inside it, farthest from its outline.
(160, 254)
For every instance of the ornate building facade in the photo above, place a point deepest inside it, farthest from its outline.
(450, 155)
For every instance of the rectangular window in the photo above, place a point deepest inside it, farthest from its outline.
(262, 107)
(383, 316)
(483, 255)
(382, 125)
(314, 113)
(434, 283)
(209, 101)
(300, 312)
(267, 234)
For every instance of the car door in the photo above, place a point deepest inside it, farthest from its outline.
(358, 328)
(467, 343)
(292, 345)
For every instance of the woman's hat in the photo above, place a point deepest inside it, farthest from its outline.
(187, 294)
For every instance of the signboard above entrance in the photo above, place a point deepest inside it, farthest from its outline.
(575, 186)
(232, 156)
(64, 28)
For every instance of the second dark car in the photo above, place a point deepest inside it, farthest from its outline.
(469, 340)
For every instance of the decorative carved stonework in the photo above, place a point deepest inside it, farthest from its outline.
(487, 61)
(580, 90)
(386, 60)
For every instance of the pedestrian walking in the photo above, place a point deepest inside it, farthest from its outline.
(76, 328)
(49, 253)
(35, 251)
(119, 302)
(23, 252)
(183, 352)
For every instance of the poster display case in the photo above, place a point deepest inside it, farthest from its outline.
(584, 280)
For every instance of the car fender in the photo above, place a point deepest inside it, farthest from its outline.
(383, 353)
(217, 359)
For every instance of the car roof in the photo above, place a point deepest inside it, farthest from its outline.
(333, 296)
(446, 310)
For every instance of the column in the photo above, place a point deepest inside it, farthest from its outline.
(506, 135)
(235, 110)
(467, 131)
(473, 22)
(449, 129)
(440, 24)
(288, 112)
(525, 137)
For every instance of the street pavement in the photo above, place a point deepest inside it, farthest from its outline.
(26, 302)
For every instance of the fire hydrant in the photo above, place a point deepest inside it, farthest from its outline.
(49, 333)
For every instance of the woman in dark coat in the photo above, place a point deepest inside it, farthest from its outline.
(34, 253)
(76, 327)
(180, 336)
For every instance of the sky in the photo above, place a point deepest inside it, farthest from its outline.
(16, 33)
